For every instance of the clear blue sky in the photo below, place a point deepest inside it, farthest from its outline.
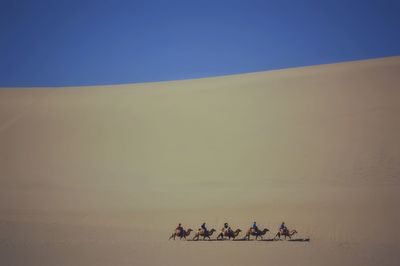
(87, 42)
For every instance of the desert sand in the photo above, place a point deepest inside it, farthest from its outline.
(102, 175)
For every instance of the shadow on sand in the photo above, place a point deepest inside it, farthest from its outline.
(293, 240)
(203, 240)
(271, 239)
(300, 239)
(268, 239)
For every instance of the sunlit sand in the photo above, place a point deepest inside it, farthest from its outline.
(102, 175)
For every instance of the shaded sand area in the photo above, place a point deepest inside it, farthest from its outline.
(101, 175)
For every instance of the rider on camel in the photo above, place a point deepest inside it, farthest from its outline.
(179, 229)
(254, 227)
(226, 227)
(283, 228)
(203, 226)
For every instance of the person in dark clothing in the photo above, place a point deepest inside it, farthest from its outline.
(179, 229)
(203, 226)
(226, 226)
(283, 228)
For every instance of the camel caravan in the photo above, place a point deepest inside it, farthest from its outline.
(227, 233)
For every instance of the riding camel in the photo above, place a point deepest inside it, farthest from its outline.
(285, 233)
(257, 233)
(182, 234)
(229, 233)
(204, 234)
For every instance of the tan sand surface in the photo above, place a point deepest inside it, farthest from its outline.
(101, 175)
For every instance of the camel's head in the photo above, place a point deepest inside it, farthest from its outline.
(212, 231)
(238, 230)
(189, 230)
(265, 230)
(294, 232)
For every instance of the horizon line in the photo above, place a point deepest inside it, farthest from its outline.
(83, 85)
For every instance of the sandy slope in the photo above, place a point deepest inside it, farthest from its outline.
(100, 175)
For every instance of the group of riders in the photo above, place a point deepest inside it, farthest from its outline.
(227, 230)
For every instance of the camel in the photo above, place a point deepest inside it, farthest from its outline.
(184, 234)
(257, 233)
(204, 234)
(229, 233)
(285, 233)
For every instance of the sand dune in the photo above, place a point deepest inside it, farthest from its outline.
(101, 175)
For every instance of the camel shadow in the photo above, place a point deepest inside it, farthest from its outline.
(300, 240)
(196, 240)
(268, 240)
(293, 240)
